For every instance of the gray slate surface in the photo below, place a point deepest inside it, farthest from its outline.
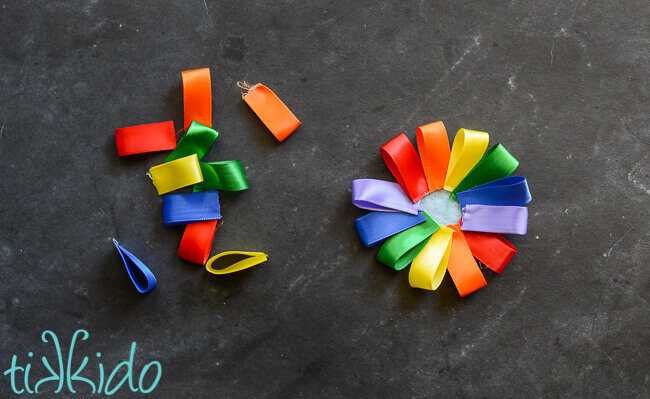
(563, 85)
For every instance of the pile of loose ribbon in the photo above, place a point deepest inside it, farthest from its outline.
(198, 210)
(491, 200)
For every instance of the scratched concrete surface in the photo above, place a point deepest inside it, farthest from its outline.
(563, 85)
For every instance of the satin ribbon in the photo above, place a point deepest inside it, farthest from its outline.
(142, 278)
(509, 191)
(275, 115)
(495, 219)
(186, 208)
(429, 266)
(380, 195)
(173, 175)
(464, 271)
(223, 175)
(252, 259)
(197, 97)
(491, 249)
(433, 146)
(403, 162)
(197, 241)
(375, 227)
(497, 163)
(145, 138)
(399, 250)
(467, 150)
(197, 140)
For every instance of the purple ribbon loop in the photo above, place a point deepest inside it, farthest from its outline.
(383, 196)
(495, 219)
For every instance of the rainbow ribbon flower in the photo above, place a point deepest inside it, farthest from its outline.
(492, 203)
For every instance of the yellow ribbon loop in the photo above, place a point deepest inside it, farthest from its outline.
(176, 174)
(429, 267)
(467, 150)
(252, 259)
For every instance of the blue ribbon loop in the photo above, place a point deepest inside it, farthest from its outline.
(139, 273)
(508, 191)
(375, 227)
(186, 208)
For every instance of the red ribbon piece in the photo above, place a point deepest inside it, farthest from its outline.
(197, 241)
(492, 249)
(197, 97)
(403, 161)
(145, 138)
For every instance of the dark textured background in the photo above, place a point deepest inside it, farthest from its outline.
(564, 85)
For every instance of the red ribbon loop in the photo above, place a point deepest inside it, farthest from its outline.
(145, 138)
(403, 161)
(197, 241)
(492, 249)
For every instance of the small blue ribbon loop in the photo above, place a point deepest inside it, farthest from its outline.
(508, 191)
(140, 275)
(375, 227)
(186, 208)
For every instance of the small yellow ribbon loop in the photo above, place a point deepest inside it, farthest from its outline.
(176, 174)
(429, 267)
(253, 258)
(467, 150)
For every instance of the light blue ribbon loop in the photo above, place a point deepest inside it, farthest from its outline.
(186, 208)
(140, 275)
(375, 227)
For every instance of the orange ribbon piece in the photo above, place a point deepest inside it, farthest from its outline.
(197, 97)
(463, 269)
(276, 116)
(433, 146)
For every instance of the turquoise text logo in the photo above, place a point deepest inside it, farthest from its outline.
(68, 373)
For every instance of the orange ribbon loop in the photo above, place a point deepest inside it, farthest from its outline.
(433, 145)
(197, 97)
(463, 269)
(276, 116)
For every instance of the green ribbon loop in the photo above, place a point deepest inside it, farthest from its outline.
(223, 175)
(495, 164)
(197, 140)
(400, 250)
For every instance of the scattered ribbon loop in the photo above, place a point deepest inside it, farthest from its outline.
(491, 249)
(173, 175)
(495, 219)
(375, 227)
(384, 196)
(186, 208)
(463, 269)
(275, 115)
(197, 97)
(197, 140)
(403, 162)
(197, 241)
(223, 175)
(433, 146)
(467, 150)
(399, 250)
(145, 138)
(429, 266)
(250, 259)
(497, 163)
(142, 278)
(509, 191)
